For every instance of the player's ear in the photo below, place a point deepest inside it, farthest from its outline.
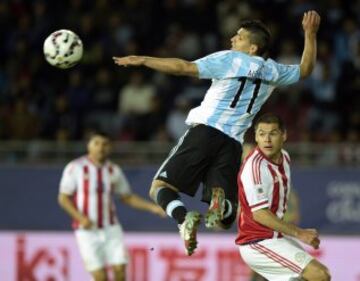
(253, 49)
(285, 136)
(88, 145)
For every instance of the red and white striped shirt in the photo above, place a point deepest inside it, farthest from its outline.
(262, 184)
(92, 188)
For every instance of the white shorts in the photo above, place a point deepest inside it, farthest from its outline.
(281, 259)
(102, 247)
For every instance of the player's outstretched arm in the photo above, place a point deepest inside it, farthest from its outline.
(268, 219)
(140, 203)
(167, 65)
(310, 23)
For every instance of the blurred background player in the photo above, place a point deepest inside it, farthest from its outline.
(210, 151)
(264, 183)
(86, 190)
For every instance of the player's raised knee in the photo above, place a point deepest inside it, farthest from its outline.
(155, 185)
(324, 274)
(152, 193)
(316, 271)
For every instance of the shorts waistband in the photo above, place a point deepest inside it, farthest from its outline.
(252, 242)
(195, 125)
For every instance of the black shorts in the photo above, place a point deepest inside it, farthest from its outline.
(203, 155)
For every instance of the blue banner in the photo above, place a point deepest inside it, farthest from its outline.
(329, 200)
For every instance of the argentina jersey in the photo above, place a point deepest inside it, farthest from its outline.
(240, 86)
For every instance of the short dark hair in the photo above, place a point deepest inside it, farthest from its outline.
(270, 118)
(95, 132)
(260, 35)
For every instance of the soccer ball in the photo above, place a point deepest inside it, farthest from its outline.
(63, 49)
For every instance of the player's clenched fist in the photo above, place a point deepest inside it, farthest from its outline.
(310, 237)
(86, 223)
(311, 21)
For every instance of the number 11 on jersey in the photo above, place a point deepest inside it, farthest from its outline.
(257, 83)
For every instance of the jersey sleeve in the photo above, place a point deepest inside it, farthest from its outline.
(119, 181)
(256, 191)
(282, 74)
(223, 64)
(68, 179)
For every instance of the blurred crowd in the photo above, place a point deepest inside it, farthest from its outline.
(38, 101)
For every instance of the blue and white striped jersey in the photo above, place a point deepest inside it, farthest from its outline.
(240, 86)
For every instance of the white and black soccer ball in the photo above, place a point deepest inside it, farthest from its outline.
(63, 48)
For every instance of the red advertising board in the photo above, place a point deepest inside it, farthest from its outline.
(44, 256)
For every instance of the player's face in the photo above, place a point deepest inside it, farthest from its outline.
(241, 42)
(99, 148)
(270, 139)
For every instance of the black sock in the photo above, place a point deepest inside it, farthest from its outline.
(169, 200)
(228, 208)
(229, 214)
